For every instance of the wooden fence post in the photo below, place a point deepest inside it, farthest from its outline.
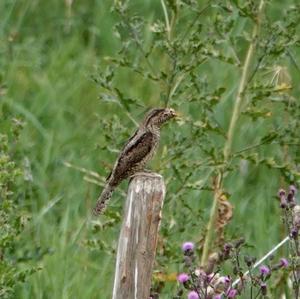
(138, 237)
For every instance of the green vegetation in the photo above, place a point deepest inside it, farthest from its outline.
(75, 77)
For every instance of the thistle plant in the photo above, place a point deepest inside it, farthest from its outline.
(207, 283)
(212, 283)
(291, 221)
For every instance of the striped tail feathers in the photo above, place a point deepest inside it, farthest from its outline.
(102, 200)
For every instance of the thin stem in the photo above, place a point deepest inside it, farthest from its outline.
(249, 148)
(237, 252)
(118, 95)
(198, 14)
(177, 83)
(260, 144)
(170, 81)
(180, 78)
(260, 60)
(295, 271)
(195, 284)
(251, 286)
(293, 59)
(231, 47)
(84, 170)
(257, 294)
(163, 4)
(131, 118)
(173, 84)
(212, 220)
(242, 85)
(171, 73)
(139, 44)
(230, 135)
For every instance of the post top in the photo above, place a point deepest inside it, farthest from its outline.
(147, 174)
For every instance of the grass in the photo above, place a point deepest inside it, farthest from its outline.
(47, 59)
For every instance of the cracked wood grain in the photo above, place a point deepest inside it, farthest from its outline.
(138, 237)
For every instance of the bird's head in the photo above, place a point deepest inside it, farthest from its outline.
(157, 116)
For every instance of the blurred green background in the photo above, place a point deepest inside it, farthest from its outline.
(49, 52)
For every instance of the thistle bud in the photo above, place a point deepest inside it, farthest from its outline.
(263, 289)
(282, 197)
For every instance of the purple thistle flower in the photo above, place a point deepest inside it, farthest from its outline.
(188, 246)
(183, 277)
(284, 262)
(219, 296)
(264, 270)
(193, 295)
(232, 293)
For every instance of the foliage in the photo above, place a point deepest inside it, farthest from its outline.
(12, 217)
(187, 54)
(168, 54)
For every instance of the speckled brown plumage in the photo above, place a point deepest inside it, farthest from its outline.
(138, 150)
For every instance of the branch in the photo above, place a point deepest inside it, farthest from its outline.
(230, 135)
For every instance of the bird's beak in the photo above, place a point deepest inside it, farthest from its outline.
(176, 115)
(173, 113)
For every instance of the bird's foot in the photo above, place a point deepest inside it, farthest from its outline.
(146, 171)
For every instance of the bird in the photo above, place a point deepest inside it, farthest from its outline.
(136, 153)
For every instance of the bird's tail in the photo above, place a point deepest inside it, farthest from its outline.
(102, 200)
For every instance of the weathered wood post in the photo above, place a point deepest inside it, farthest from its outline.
(138, 237)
